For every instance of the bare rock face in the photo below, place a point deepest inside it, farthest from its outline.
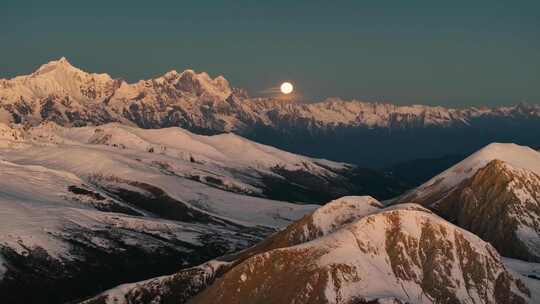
(502, 206)
(494, 194)
(350, 251)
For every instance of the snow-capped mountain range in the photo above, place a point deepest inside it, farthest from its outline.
(60, 92)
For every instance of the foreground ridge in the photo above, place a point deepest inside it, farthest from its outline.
(401, 254)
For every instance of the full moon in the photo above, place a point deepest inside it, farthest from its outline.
(286, 88)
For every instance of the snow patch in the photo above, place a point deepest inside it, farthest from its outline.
(346, 209)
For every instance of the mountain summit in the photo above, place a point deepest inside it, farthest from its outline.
(351, 250)
(494, 193)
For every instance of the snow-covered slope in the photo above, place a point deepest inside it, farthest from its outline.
(59, 231)
(225, 161)
(401, 254)
(494, 193)
(114, 203)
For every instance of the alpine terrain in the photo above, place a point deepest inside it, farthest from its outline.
(85, 209)
(352, 250)
(60, 92)
(269, 152)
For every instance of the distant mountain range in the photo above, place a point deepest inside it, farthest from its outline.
(368, 134)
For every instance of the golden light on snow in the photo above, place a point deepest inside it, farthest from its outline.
(286, 88)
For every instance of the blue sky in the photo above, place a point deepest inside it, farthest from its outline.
(452, 53)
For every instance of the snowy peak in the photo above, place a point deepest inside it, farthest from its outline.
(60, 64)
(60, 78)
(344, 210)
(62, 70)
(517, 156)
(379, 258)
(331, 217)
(494, 193)
(59, 82)
(200, 85)
(323, 221)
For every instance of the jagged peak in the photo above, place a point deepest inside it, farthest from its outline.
(198, 83)
(186, 74)
(61, 63)
(63, 71)
(192, 75)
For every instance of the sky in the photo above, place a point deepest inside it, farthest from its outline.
(453, 53)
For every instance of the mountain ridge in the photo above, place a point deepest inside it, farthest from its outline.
(365, 113)
(59, 92)
(364, 254)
